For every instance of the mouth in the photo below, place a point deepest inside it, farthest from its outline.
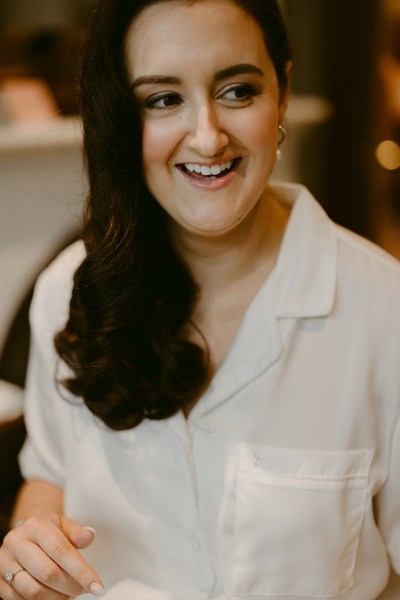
(209, 172)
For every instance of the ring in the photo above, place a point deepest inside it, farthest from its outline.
(9, 576)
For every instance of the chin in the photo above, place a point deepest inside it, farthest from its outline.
(211, 229)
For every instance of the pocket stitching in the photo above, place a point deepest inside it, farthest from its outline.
(254, 476)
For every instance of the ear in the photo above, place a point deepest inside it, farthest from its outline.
(285, 94)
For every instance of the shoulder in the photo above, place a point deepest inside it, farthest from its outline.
(367, 265)
(53, 289)
(323, 265)
(368, 291)
(369, 251)
(363, 261)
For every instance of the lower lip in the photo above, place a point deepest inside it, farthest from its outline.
(210, 185)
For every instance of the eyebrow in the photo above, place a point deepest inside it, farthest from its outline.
(240, 69)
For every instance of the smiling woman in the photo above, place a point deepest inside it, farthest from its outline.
(222, 110)
(226, 357)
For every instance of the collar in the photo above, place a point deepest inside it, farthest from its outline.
(304, 277)
(302, 284)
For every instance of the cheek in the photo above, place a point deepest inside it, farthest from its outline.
(264, 134)
(260, 130)
(159, 141)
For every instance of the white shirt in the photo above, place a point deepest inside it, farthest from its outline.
(285, 480)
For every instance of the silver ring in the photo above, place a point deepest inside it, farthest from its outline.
(9, 576)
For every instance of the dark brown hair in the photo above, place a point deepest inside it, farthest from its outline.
(132, 297)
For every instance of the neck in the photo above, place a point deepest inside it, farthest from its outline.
(221, 261)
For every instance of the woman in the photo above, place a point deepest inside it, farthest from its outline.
(228, 363)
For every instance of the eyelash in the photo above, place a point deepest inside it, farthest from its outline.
(154, 100)
(251, 91)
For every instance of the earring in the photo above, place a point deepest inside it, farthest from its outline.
(282, 134)
(281, 139)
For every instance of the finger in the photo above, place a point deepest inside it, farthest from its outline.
(8, 593)
(46, 534)
(81, 537)
(42, 572)
(65, 556)
(7, 564)
(58, 547)
(20, 551)
(27, 587)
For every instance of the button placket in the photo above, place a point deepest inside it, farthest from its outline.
(257, 460)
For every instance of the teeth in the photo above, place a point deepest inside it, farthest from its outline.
(206, 171)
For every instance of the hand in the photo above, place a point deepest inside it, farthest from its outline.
(43, 554)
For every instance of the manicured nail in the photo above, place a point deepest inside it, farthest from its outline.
(91, 530)
(96, 589)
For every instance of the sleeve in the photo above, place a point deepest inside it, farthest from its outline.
(388, 503)
(42, 456)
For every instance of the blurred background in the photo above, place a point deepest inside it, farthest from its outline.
(343, 142)
(349, 54)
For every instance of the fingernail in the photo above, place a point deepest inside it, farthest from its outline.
(91, 530)
(96, 589)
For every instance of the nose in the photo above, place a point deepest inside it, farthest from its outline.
(207, 138)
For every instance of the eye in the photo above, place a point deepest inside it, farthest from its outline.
(238, 94)
(163, 101)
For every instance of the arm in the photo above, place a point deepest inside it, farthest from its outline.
(37, 497)
(45, 545)
(43, 551)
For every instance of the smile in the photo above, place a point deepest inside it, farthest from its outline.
(207, 172)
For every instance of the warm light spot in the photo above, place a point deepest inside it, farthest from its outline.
(388, 155)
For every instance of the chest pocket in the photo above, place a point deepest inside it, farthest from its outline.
(294, 521)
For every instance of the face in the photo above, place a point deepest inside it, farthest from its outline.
(210, 105)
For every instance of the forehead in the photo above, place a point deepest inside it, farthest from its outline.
(181, 31)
